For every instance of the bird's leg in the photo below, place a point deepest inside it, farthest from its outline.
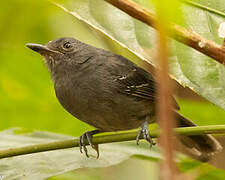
(88, 136)
(144, 132)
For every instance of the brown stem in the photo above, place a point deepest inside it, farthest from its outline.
(164, 103)
(179, 33)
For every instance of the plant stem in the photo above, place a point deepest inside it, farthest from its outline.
(115, 137)
(164, 114)
(177, 32)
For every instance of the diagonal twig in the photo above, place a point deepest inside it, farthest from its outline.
(177, 32)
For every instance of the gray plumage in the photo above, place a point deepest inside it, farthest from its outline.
(108, 91)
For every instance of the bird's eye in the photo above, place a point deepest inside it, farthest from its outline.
(67, 45)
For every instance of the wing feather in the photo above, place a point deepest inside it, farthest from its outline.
(141, 84)
(138, 83)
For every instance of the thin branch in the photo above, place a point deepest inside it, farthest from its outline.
(177, 32)
(115, 137)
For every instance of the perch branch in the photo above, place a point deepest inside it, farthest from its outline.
(177, 32)
(115, 137)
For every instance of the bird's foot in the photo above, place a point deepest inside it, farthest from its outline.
(144, 132)
(87, 137)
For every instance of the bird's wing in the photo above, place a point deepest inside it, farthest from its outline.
(140, 83)
(132, 79)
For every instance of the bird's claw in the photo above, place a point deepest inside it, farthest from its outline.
(86, 139)
(144, 132)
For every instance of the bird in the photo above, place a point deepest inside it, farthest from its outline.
(110, 93)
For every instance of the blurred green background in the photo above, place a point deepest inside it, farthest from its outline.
(26, 91)
(27, 96)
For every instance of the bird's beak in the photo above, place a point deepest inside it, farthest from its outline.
(40, 48)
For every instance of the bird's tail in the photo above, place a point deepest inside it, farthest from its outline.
(201, 147)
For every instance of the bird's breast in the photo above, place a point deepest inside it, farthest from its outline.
(71, 96)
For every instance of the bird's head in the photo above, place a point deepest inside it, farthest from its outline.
(60, 52)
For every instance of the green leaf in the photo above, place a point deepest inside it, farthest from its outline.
(195, 70)
(47, 164)
(189, 67)
(200, 171)
(51, 163)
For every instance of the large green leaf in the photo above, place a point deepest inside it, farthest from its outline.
(46, 164)
(189, 67)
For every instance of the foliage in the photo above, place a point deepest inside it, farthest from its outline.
(205, 75)
(27, 95)
(46, 164)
